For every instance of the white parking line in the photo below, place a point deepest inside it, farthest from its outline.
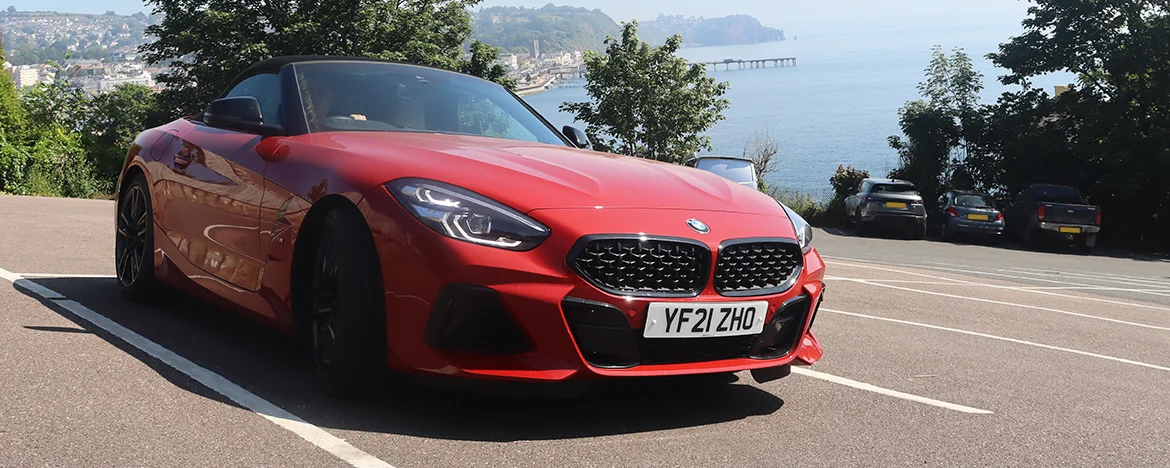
(58, 275)
(1103, 278)
(1028, 289)
(936, 283)
(886, 391)
(1031, 278)
(1148, 279)
(1012, 304)
(1000, 338)
(313, 434)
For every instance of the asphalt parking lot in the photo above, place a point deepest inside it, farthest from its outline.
(936, 354)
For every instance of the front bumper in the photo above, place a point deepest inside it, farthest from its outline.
(536, 290)
(990, 228)
(904, 220)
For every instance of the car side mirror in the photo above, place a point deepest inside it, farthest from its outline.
(241, 114)
(576, 137)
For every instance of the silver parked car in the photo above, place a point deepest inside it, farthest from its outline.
(738, 169)
(887, 203)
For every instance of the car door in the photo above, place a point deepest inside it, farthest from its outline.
(852, 202)
(213, 191)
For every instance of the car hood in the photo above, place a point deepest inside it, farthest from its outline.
(531, 176)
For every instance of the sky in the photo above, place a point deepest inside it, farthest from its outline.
(808, 16)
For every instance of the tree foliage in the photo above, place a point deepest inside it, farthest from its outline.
(112, 122)
(428, 32)
(648, 102)
(940, 130)
(1109, 135)
(11, 112)
(65, 143)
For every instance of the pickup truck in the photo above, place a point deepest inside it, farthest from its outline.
(886, 203)
(1054, 212)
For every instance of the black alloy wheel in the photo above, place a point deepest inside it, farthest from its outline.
(134, 241)
(346, 313)
(325, 304)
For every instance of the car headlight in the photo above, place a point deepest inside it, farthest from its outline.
(467, 216)
(804, 230)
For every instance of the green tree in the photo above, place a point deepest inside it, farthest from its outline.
(56, 103)
(429, 32)
(941, 129)
(1109, 135)
(112, 122)
(11, 113)
(648, 102)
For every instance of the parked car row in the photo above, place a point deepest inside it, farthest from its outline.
(1039, 213)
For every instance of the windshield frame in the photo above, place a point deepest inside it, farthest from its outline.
(297, 89)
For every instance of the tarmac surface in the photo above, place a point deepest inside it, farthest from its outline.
(936, 354)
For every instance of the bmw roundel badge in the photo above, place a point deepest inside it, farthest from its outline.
(699, 226)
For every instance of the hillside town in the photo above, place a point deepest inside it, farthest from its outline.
(95, 53)
(100, 52)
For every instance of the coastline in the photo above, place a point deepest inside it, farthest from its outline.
(537, 88)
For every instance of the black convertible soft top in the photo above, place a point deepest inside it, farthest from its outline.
(274, 64)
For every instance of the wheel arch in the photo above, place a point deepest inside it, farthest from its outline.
(307, 237)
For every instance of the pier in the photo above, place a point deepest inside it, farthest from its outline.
(728, 64)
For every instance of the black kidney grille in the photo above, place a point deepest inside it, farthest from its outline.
(756, 267)
(644, 267)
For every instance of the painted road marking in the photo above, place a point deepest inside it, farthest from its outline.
(885, 391)
(1033, 290)
(1030, 278)
(1150, 279)
(1012, 304)
(58, 275)
(935, 283)
(1103, 278)
(1000, 338)
(313, 434)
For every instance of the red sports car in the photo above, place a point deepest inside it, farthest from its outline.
(409, 219)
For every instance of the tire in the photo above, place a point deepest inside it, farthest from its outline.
(134, 242)
(920, 232)
(1031, 240)
(1088, 244)
(945, 232)
(862, 229)
(347, 316)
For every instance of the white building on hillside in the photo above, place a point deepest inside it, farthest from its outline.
(25, 75)
(108, 83)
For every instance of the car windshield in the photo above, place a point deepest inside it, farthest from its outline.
(1052, 194)
(389, 97)
(737, 170)
(974, 201)
(893, 188)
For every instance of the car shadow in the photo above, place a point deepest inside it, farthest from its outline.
(275, 368)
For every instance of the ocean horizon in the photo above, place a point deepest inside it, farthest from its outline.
(839, 105)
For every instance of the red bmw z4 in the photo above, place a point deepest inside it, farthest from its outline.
(414, 220)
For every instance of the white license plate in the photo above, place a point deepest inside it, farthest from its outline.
(702, 320)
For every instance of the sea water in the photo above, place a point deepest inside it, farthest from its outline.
(839, 105)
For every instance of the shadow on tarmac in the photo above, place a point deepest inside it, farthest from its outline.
(275, 368)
